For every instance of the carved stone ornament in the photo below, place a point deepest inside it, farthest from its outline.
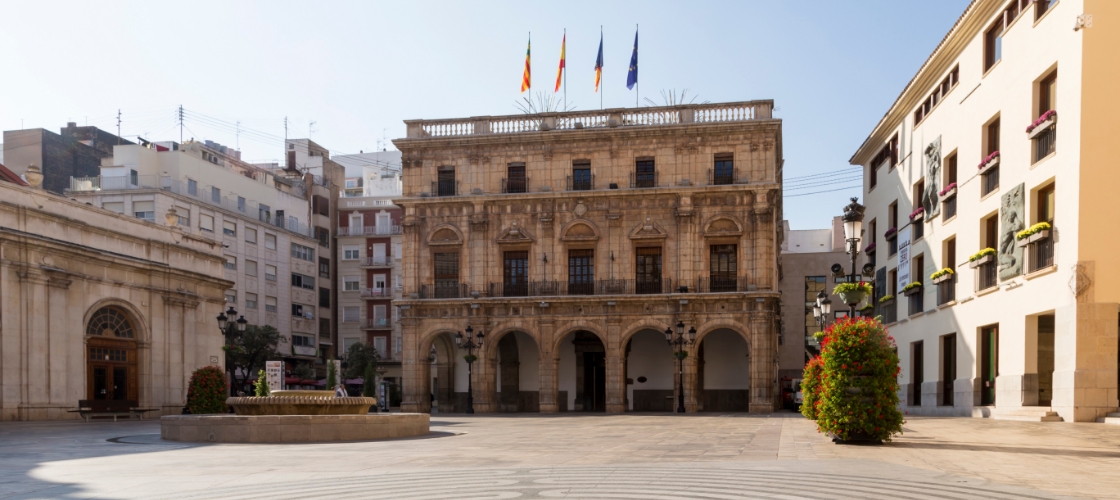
(445, 235)
(579, 231)
(722, 226)
(648, 230)
(580, 209)
(513, 235)
(931, 198)
(1011, 221)
(1079, 281)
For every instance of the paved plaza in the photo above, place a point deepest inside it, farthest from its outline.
(633, 456)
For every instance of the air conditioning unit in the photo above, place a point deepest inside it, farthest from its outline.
(308, 315)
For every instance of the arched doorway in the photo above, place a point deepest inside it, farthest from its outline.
(111, 367)
(518, 375)
(582, 373)
(724, 371)
(650, 372)
(442, 382)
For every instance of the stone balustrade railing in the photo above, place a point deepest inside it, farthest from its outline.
(609, 118)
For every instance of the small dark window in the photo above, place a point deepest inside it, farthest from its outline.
(515, 180)
(724, 170)
(581, 272)
(645, 174)
(993, 44)
(581, 176)
(446, 185)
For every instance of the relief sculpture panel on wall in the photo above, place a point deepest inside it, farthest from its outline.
(1011, 211)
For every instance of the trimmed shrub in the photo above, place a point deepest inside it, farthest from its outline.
(369, 382)
(859, 385)
(207, 392)
(260, 388)
(332, 375)
(811, 387)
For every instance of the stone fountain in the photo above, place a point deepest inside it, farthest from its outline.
(294, 416)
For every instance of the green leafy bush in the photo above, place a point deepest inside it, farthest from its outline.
(983, 253)
(207, 392)
(859, 387)
(863, 286)
(810, 388)
(1033, 230)
(369, 382)
(260, 388)
(332, 375)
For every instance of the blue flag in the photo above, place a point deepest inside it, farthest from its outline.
(632, 75)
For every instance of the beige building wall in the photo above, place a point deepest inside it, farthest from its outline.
(62, 262)
(608, 336)
(1073, 370)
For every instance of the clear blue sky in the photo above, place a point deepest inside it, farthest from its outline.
(359, 68)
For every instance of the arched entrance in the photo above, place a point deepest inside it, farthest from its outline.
(582, 373)
(442, 375)
(724, 371)
(518, 375)
(111, 366)
(650, 372)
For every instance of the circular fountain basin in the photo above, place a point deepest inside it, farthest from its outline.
(301, 405)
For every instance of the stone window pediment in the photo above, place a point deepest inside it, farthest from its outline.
(721, 226)
(445, 235)
(648, 230)
(515, 235)
(579, 231)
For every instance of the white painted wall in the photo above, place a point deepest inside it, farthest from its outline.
(725, 361)
(650, 357)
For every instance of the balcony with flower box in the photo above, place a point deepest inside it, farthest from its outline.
(948, 201)
(989, 173)
(917, 225)
(1043, 133)
(1039, 246)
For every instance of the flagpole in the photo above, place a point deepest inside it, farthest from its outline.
(565, 50)
(602, 88)
(637, 84)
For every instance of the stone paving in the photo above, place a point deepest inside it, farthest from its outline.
(636, 456)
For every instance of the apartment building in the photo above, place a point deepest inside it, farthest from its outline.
(73, 152)
(573, 243)
(1001, 278)
(371, 174)
(260, 218)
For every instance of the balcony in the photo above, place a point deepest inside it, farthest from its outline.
(989, 181)
(386, 230)
(721, 285)
(643, 180)
(377, 261)
(947, 291)
(580, 184)
(515, 185)
(445, 187)
(1040, 254)
(949, 208)
(889, 311)
(986, 276)
(444, 290)
(916, 302)
(917, 228)
(377, 323)
(1045, 143)
(719, 178)
(375, 293)
(593, 119)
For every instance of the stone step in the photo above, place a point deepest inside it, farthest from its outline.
(1112, 418)
(1027, 414)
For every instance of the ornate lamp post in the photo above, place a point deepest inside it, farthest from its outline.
(822, 309)
(853, 231)
(227, 327)
(470, 343)
(679, 344)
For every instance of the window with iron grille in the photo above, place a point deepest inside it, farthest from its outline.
(581, 176)
(724, 268)
(515, 181)
(515, 272)
(724, 169)
(581, 272)
(445, 179)
(446, 268)
(647, 271)
(645, 174)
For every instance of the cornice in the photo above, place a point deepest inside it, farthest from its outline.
(691, 191)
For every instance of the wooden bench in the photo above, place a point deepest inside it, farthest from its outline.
(95, 408)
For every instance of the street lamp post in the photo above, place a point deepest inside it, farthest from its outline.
(853, 231)
(822, 309)
(679, 344)
(230, 328)
(470, 343)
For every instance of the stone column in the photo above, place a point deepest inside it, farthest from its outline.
(35, 369)
(414, 397)
(547, 369)
(762, 360)
(691, 380)
(616, 380)
(59, 320)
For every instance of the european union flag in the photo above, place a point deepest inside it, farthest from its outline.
(632, 75)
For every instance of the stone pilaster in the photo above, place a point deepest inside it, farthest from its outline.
(616, 379)
(414, 384)
(763, 359)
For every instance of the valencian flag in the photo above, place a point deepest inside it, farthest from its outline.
(599, 64)
(560, 71)
(525, 80)
(632, 74)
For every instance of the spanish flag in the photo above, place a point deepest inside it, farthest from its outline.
(599, 64)
(525, 80)
(560, 72)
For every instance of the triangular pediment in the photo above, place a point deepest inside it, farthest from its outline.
(514, 235)
(648, 230)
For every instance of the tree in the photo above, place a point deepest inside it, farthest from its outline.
(304, 371)
(332, 375)
(247, 353)
(369, 390)
(357, 357)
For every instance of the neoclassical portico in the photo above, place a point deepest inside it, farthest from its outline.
(574, 240)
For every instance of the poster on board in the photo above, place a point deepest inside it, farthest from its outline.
(274, 374)
(903, 258)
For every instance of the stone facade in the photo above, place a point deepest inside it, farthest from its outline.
(574, 240)
(98, 305)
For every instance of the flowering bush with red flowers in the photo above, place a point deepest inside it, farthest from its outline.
(858, 391)
(811, 387)
(207, 392)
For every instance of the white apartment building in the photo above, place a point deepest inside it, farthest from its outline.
(261, 219)
(371, 174)
(969, 158)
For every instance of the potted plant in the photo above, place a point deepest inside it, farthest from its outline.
(989, 162)
(917, 213)
(1032, 234)
(945, 274)
(891, 233)
(886, 300)
(857, 398)
(912, 288)
(982, 257)
(870, 248)
(1042, 123)
(866, 310)
(852, 293)
(810, 388)
(949, 190)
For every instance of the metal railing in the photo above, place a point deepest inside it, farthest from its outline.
(375, 292)
(575, 120)
(377, 261)
(643, 180)
(892, 245)
(368, 230)
(445, 188)
(916, 302)
(949, 208)
(986, 276)
(580, 184)
(444, 290)
(1041, 254)
(377, 322)
(722, 178)
(1045, 143)
(515, 185)
(889, 312)
(947, 291)
(721, 285)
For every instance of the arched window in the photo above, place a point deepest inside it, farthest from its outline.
(110, 322)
